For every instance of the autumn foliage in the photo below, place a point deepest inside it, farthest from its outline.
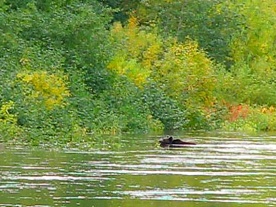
(238, 112)
(71, 70)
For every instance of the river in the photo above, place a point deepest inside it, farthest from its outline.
(223, 169)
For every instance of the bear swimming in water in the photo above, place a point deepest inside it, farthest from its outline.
(169, 141)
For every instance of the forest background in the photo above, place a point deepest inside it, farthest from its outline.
(71, 70)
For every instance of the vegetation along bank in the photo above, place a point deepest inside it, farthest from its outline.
(71, 70)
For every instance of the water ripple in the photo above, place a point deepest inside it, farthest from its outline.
(216, 171)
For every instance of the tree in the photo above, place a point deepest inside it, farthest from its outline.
(207, 22)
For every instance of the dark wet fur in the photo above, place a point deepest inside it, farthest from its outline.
(169, 141)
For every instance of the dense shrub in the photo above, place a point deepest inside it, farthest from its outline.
(172, 114)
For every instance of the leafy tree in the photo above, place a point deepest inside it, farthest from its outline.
(181, 70)
(253, 51)
(207, 22)
(135, 50)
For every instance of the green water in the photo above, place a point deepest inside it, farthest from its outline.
(222, 170)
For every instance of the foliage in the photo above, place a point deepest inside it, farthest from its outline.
(210, 23)
(72, 70)
(256, 119)
(6, 116)
(175, 67)
(48, 87)
(181, 71)
(8, 121)
(125, 101)
(255, 43)
(253, 52)
(164, 108)
(41, 42)
(135, 51)
(123, 8)
(186, 74)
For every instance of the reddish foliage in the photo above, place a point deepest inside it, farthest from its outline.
(238, 111)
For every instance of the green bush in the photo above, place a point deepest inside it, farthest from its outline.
(164, 108)
(126, 101)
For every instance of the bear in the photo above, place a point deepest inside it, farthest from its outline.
(169, 141)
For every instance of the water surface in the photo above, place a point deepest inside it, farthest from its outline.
(221, 170)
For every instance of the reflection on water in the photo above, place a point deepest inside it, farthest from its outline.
(218, 171)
